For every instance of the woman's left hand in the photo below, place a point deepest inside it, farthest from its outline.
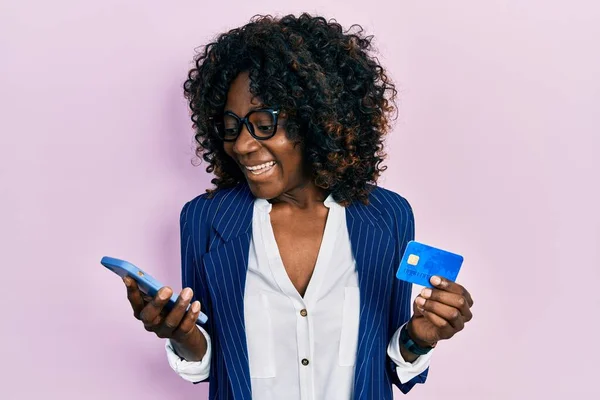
(439, 313)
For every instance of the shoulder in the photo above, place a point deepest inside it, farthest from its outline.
(395, 211)
(390, 202)
(207, 204)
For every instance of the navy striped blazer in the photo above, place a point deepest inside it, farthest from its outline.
(215, 241)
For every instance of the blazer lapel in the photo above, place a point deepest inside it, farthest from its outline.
(226, 265)
(373, 248)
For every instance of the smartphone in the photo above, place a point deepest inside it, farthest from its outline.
(147, 284)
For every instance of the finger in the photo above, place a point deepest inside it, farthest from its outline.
(417, 309)
(450, 314)
(155, 324)
(174, 317)
(445, 330)
(134, 296)
(467, 296)
(154, 308)
(450, 299)
(188, 324)
(453, 287)
(440, 323)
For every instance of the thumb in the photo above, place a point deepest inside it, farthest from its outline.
(416, 309)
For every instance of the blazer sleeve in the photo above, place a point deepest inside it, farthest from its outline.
(401, 291)
(193, 236)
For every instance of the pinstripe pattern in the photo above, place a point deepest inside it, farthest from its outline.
(215, 241)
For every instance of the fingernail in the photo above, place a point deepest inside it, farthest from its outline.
(126, 280)
(186, 294)
(196, 306)
(163, 295)
(426, 293)
(420, 301)
(436, 280)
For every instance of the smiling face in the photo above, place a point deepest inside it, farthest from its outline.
(271, 167)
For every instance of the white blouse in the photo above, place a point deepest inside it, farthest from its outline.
(301, 348)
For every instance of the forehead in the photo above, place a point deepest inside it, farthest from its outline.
(239, 98)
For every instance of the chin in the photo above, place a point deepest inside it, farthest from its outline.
(265, 190)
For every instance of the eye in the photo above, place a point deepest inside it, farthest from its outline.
(266, 128)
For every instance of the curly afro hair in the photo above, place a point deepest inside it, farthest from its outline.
(336, 97)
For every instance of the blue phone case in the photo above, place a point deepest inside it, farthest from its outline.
(420, 262)
(147, 284)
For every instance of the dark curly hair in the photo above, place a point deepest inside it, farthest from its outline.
(336, 96)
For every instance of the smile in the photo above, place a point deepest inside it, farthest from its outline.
(262, 168)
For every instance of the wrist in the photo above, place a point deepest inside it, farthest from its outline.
(192, 347)
(412, 342)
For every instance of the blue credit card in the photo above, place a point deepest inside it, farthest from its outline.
(420, 262)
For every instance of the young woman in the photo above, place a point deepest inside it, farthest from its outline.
(292, 254)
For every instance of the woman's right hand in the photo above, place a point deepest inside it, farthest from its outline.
(178, 325)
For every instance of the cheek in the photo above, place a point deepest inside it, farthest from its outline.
(228, 148)
(293, 160)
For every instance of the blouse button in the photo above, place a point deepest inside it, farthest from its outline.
(304, 361)
(303, 312)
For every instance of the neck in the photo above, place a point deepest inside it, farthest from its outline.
(302, 197)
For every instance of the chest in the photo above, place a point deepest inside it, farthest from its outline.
(299, 238)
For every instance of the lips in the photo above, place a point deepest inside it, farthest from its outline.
(260, 168)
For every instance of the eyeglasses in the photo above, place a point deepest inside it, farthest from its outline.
(261, 123)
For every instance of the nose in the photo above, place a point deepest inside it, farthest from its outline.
(245, 142)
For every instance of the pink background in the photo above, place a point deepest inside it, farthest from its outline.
(496, 147)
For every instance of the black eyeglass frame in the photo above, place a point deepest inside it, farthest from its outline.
(246, 121)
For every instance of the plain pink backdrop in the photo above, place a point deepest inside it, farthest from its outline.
(496, 147)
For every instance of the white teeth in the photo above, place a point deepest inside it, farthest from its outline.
(264, 166)
(261, 169)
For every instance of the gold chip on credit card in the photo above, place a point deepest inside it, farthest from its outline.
(413, 259)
